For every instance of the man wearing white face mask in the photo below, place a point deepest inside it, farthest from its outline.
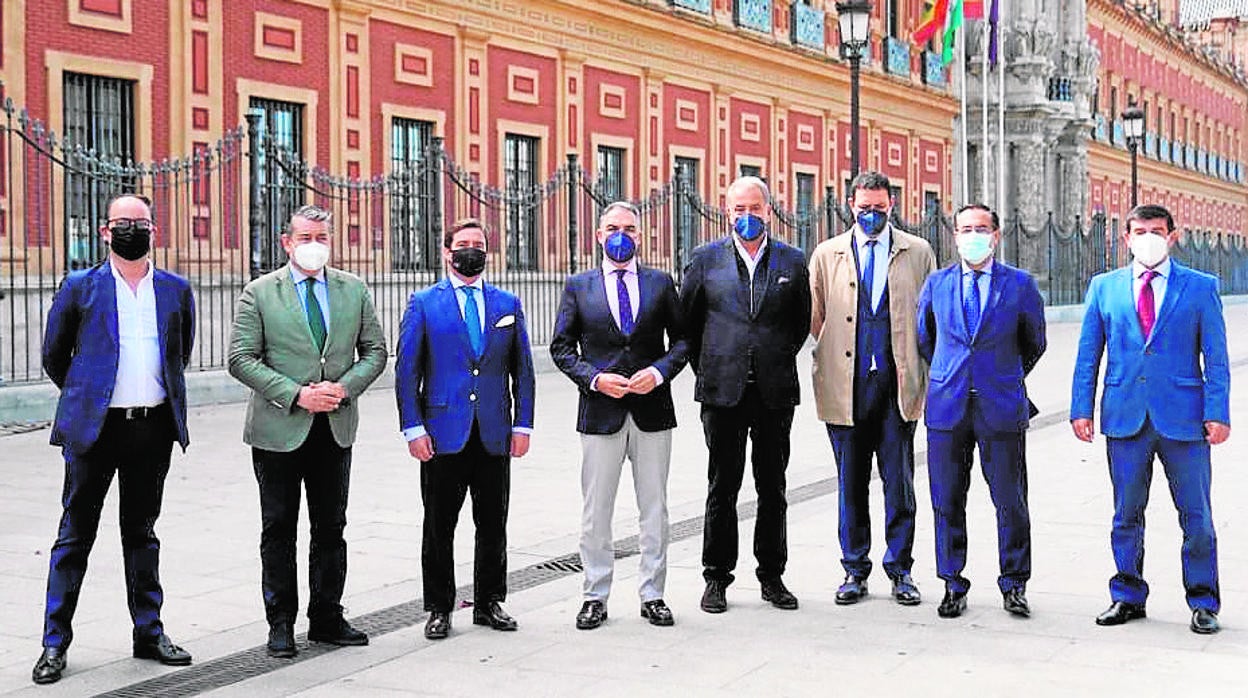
(981, 328)
(306, 340)
(1166, 394)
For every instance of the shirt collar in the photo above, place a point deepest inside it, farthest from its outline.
(458, 283)
(147, 276)
(298, 276)
(1163, 269)
(609, 268)
(746, 253)
(884, 238)
(987, 270)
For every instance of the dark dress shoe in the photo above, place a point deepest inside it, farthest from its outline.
(905, 592)
(1120, 612)
(952, 605)
(1205, 622)
(50, 666)
(657, 613)
(162, 649)
(493, 615)
(776, 593)
(1015, 603)
(713, 599)
(592, 615)
(438, 626)
(281, 642)
(852, 591)
(337, 632)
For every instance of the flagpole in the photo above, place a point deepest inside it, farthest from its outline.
(1001, 154)
(983, 85)
(966, 160)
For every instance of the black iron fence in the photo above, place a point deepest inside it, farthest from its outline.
(220, 213)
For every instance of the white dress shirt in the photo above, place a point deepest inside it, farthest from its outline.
(751, 261)
(881, 248)
(140, 381)
(610, 284)
(1159, 283)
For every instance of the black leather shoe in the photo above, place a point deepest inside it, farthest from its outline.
(162, 649)
(1205, 622)
(905, 592)
(713, 599)
(438, 626)
(493, 615)
(592, 615)
(1015, 603)
(1120, 612)
(776, 593)
(337, 632)
(852, 591)
(281, 642)
(657, 613)
(952, 605)
(50, 666)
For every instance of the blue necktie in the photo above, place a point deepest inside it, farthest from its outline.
(970, 304)
(473, 319)
(626, 303)
(868, 275)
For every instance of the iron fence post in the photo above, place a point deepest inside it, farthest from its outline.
(255, 216)
(573, 170)
(436, 162)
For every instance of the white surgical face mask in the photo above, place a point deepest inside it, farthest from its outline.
(1149, 249)
(311, 256)
(974, 247)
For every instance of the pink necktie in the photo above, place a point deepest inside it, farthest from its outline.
(1146, 308)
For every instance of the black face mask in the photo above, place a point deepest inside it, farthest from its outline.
(130, 243)
(468, 261)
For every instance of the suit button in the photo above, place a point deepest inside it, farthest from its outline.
(472, 397)
(849, 319)
(849, 354)
(1143, 379)
(476, 371)
(322, 360)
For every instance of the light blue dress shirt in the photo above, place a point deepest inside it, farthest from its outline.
(881, 248)
(984, 280)
(320, 289)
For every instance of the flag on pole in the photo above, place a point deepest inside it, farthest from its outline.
(952, 25)
(973, 9)
(932, 22)
(993, 20)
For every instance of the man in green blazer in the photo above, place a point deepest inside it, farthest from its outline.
(307, 342)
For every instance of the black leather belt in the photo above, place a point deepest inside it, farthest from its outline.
(973, 393)
(132, 413)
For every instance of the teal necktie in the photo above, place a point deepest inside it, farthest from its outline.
(316, 320)
(472, 317)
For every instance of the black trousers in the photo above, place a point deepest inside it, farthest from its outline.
(726, 429)
(445, 479)
(324, 469)
(137, 450)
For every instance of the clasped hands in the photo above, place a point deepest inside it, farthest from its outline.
(1215, 432)
(617, 386)
(324, 396)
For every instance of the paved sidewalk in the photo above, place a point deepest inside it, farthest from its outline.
(210, 534)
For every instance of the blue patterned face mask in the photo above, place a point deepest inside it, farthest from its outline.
(749, 226)
(619, 247)
(872, 222)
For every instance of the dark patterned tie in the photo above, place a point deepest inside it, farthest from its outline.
(472, 318)
(1147, 307)
(316, 320)
(626, 303)
(970, 304)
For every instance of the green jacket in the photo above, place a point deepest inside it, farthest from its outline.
(273, 353)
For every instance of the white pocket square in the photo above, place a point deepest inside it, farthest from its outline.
(506, 321)
(782, 280)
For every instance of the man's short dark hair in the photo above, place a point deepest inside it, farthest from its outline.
(1150, 212)
(996, 222)
(462, 224)
(871, 180)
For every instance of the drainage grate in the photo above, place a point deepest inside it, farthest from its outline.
(13, 428)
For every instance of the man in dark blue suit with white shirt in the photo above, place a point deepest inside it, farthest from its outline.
(119, 336)
(981, 328)
(465, 388)
(609, 339)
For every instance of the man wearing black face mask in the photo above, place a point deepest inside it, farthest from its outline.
(119, 336)
(746, 300)
(609, 340)
(870, 382)
(465, 388)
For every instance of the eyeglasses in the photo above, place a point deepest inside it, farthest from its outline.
(873, 209)
(127, 225)
(981, 229)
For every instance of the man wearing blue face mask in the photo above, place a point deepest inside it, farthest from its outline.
(869, 378)
(609, 339)
(746, 301)
(981, 327)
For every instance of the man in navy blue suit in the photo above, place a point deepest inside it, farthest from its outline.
(1166, 395)
(609, 339)
(118, 338)
(746, 299)
(465, 388)
(981, 329)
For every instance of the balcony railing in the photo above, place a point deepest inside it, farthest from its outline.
(933, 70)
(703, 6)
(897, 56)
(807, 26)
(1100, 131)
(1150, 145)
(753, 14)
(1163, 150)
(1060, 89)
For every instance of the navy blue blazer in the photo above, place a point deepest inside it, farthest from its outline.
(587, 341)
(81, 350)
(1009, 342)
(439, 383)
(724, 329)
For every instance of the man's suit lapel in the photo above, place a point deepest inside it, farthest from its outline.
(166, 305)
(1174, 292)
(449, 312)
(288, 294)
(493, 314)
(1125, 295)
(953, 289)
(730, 257)
(996, 286)
(772, 274)
(337, 288)
(596, 297)
(106, 301)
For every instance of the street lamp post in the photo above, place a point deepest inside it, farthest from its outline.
(1133, 125)
(853, 22)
